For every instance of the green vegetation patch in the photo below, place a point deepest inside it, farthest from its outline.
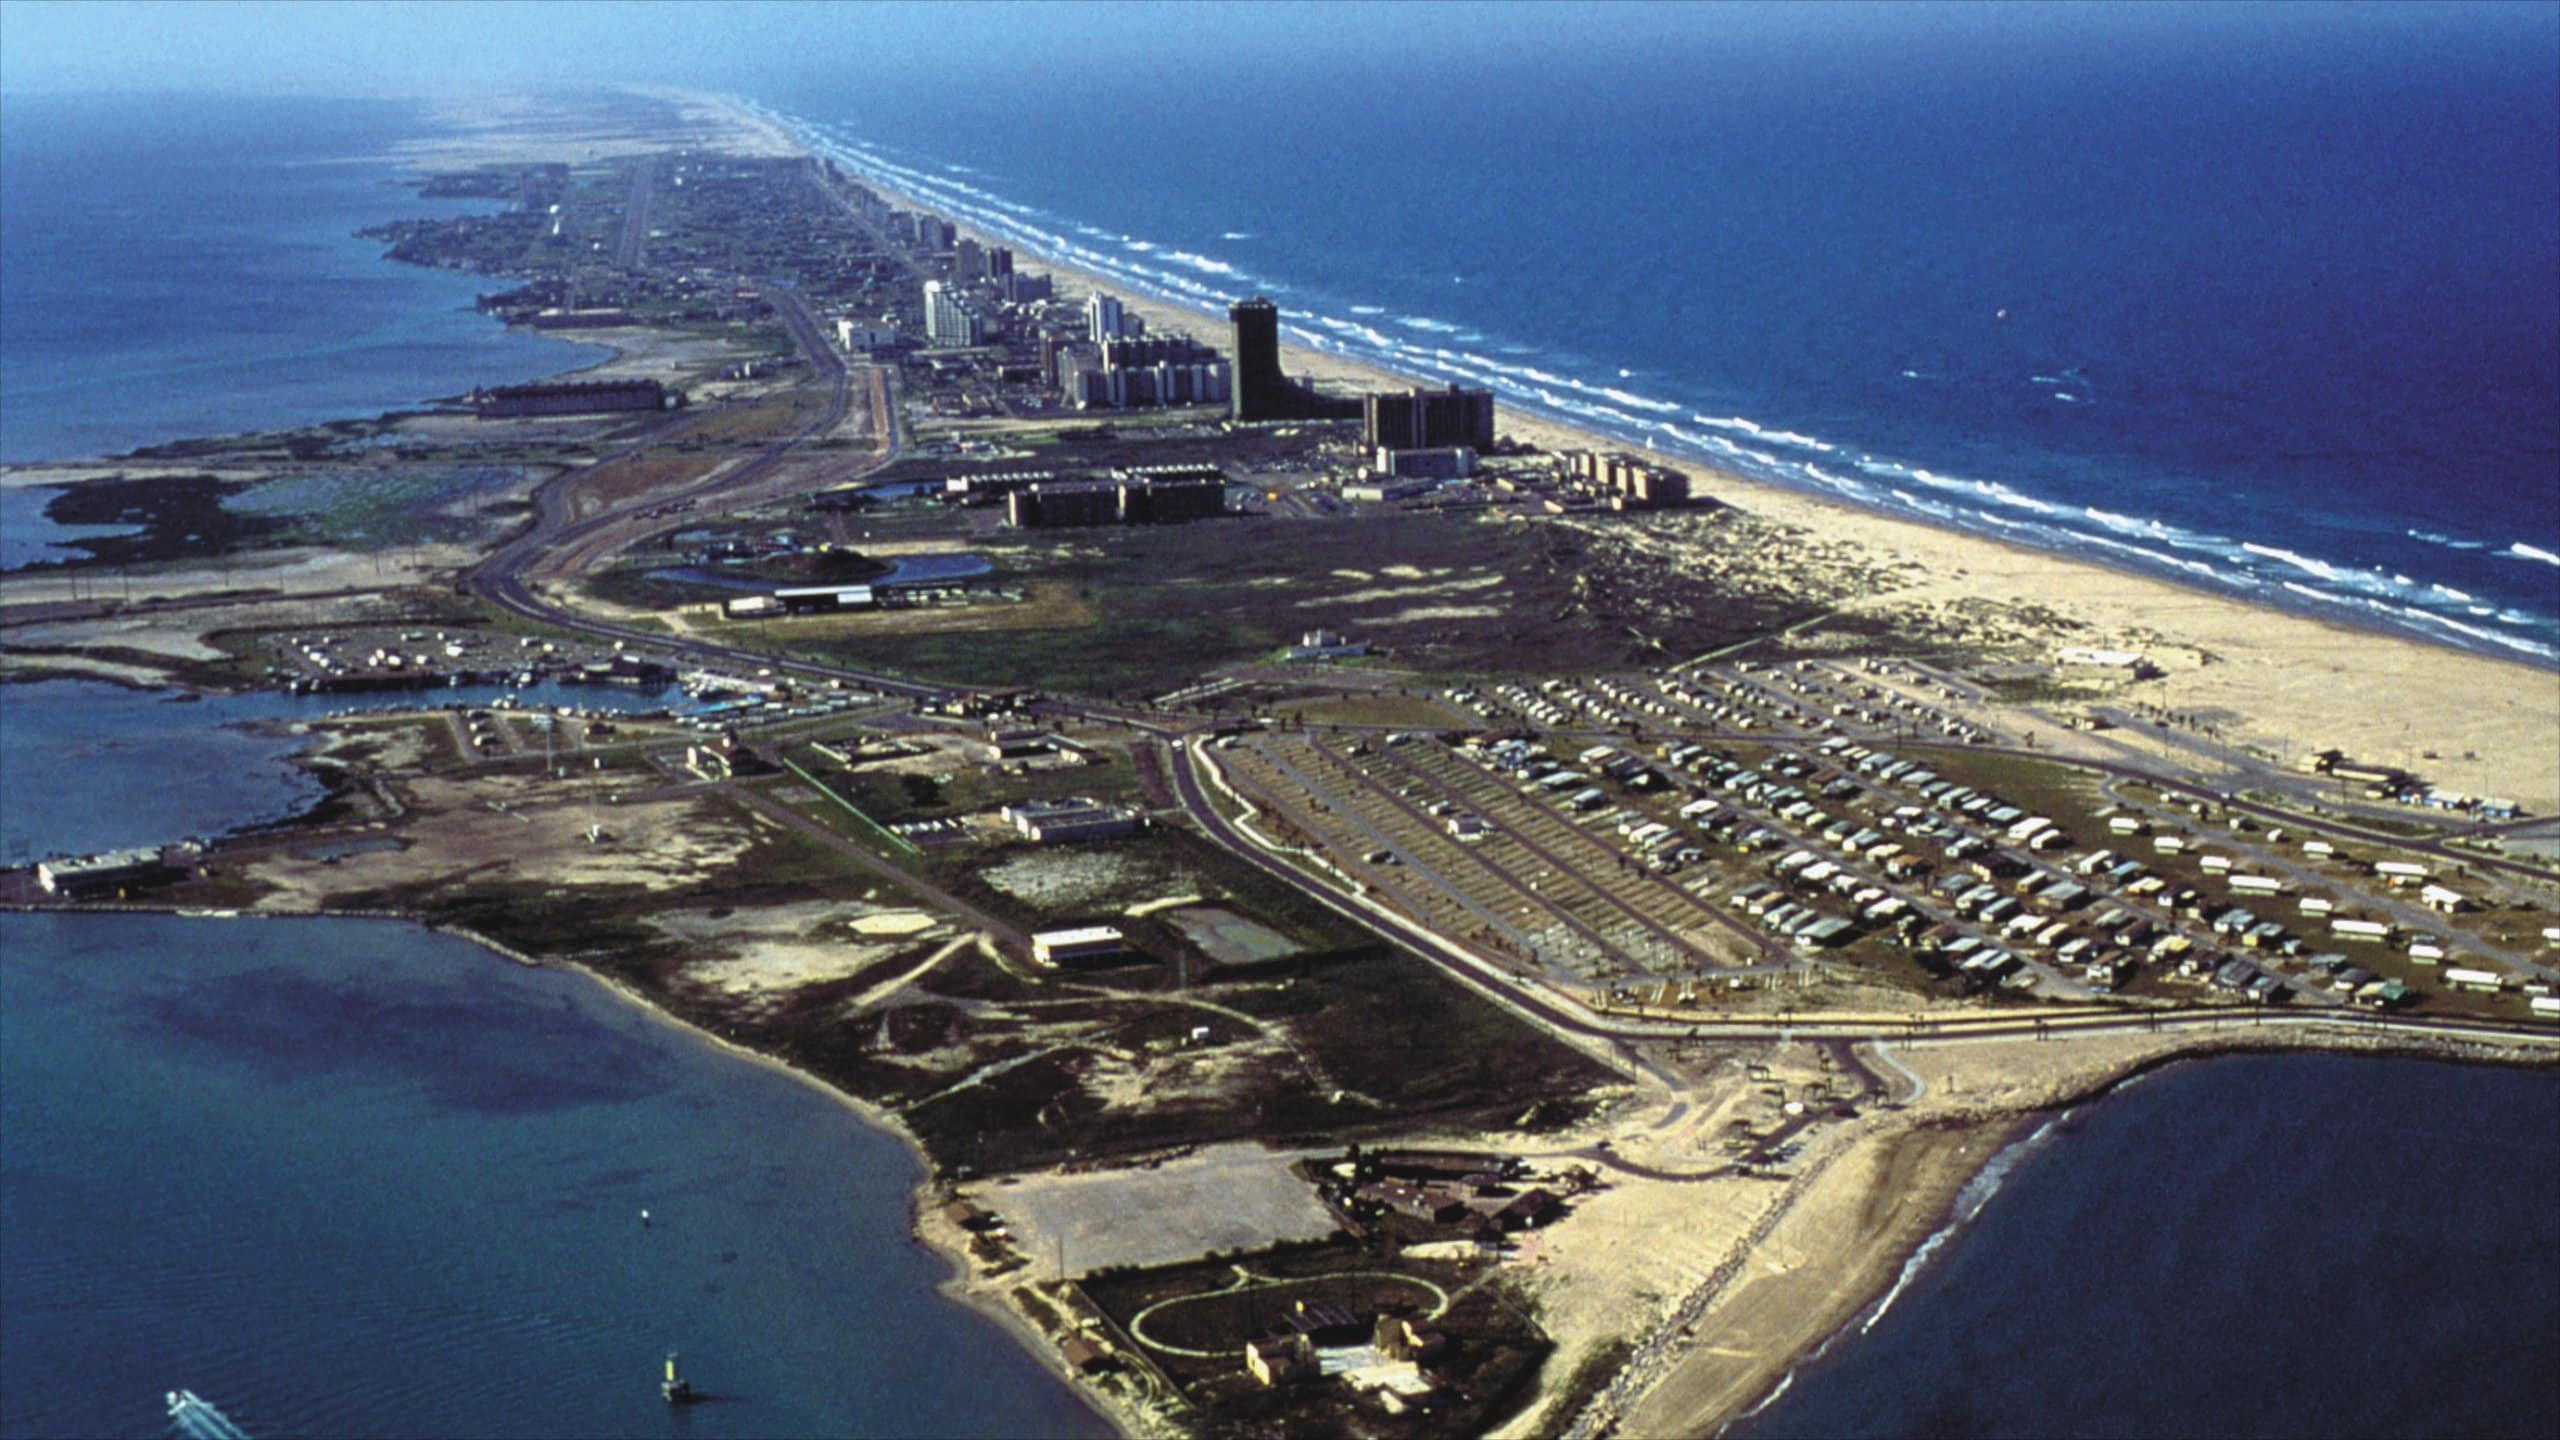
(376, 505)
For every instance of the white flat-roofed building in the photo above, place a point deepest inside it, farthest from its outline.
(1069, 947)
(89, 874)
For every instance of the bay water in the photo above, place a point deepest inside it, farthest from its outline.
(2266, 1245)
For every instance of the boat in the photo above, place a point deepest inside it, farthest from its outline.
(195, 1417)
(676, 1389)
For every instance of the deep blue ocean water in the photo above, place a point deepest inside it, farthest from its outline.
(2298, 287)
(2263, 297)
(348, 1177)
(177, 266)
(2280, 1245)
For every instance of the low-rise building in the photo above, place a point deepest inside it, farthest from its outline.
(1281, 1360)
(1049, 822)
(98, 874)
(1078, 946)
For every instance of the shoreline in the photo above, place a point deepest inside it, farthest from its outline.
(1929, 1157)
(2277, 673)
(1143, 297)
(958, 1287)
(955, 1287)
(1939, 1158)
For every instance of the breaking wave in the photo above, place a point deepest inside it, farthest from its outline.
(1436, 349)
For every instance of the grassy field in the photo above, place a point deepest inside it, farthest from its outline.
(1440, 594)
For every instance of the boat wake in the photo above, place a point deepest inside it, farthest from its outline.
(196, 1418)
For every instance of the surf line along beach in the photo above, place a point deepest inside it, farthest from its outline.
(2272, 676)
(2277, 681)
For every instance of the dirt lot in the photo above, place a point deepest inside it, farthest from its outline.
(1224, 1197)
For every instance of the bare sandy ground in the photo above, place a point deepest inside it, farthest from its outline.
(1223, 1197)
(500, 829)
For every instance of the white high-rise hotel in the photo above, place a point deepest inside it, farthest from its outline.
(1102, 317)
(949, 318)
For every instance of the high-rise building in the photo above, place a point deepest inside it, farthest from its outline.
(999, 261)
(968, 261)
(1140, 371)
(1261, 391)
(1102, 317)
(1623, 482)
(1427, 419)
(949, 318)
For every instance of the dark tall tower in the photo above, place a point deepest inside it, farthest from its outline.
(1261, 392)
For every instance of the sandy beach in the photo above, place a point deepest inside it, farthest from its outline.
(1722, 1285)
(2278, 682)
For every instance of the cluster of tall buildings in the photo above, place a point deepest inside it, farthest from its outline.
(1140, 371)
(1118, 366)
(1624, 482)
(972, 262)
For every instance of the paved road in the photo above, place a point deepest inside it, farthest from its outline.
(1561, 1015)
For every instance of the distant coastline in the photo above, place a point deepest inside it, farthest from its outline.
(2320, 653)
(2251, 572)
(1887, 1246)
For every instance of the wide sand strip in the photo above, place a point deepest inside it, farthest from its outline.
(2280, 682)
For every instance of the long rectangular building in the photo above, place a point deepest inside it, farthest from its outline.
(1427, 419)
(1133, 499)
(589, 397)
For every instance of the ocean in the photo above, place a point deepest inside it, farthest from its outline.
(350, 1177)
(2279, 318)
(2267, 1245)
(2261, 298)
(174, 267)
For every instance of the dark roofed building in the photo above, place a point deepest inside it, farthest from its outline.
(583, 397)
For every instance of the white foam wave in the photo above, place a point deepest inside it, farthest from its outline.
(1178, 276)
(2066, 397)
(1742, 425)
(1641, 402)
(1970, 1201)
(1201, 263)
(2318, 569)
(1235, 235)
